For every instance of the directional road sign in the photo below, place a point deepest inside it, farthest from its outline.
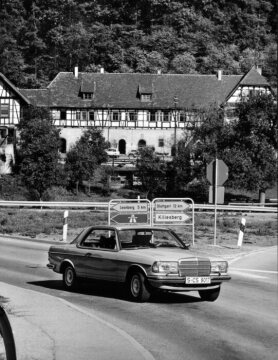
(222, 172)
(130, 219)
(171, 206)
(171, 217)
(127, 207)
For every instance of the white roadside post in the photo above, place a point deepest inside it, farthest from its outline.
(65, 226)
(215, 200)
(241, 232)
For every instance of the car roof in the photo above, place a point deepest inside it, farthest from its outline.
(128, 227)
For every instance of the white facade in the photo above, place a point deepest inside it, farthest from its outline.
(9, 119)
(126, 129)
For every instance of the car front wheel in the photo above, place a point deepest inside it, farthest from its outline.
(136, 286)
(69, 278)
(209, 295)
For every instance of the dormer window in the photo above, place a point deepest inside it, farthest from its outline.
(145, 92)
(146, 97)
(87, 96)
(87, 90)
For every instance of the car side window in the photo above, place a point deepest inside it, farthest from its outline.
(100, 239)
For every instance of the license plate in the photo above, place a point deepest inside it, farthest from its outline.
(197, 280)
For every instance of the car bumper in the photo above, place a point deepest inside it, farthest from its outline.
(53, 267)
(178, 283)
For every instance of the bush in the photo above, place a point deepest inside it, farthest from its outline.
(198, 190)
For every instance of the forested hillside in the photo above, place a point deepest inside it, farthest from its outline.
(39, 38)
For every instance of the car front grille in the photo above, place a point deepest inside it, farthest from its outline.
(194, 267)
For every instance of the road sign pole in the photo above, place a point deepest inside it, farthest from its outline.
(215, 198)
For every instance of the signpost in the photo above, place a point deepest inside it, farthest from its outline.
(217, 174)
(173, 211)
(161, 211)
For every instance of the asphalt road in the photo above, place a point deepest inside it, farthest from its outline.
(242, 324)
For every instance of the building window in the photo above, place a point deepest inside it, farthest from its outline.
(146, 97)
(84, 115)
(152, 116)
(92, 115)
(4, 110)
(115, 116)
(182, 116)
(63, 115)
(254, 92)
(160, 142)
(132, 115)
(11, 135)
(166, 116)
(78, 115)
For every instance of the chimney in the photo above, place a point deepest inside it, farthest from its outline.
(75, 72)
(219, 75)
(102, 70)
(259, 69)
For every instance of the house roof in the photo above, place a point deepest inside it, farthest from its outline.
(14, 89)
(253, 78)
(117, 90)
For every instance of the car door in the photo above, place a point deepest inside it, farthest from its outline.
(100, 255)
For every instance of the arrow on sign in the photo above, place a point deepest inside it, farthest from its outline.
(171, 217)
(130, 218)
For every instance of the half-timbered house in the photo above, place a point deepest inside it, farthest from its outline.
(139, 109)
(11, 105)
(132, 109)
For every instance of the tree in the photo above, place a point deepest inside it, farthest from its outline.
(151, 172)
(38, 150)
(85, 157)
(255, 141)
(247, 144)
(179, 171)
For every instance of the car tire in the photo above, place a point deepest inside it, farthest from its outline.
(136, 287)
(6, 333)
(69, 278)
(209, 295)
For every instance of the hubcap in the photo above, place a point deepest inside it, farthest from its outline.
(69, 276)
(135, 286)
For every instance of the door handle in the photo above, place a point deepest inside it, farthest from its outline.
(92, 255)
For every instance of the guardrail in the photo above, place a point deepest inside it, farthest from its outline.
(103, 206)
(254, 204)
(55, 204)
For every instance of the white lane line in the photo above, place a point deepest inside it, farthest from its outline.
(255, 270)
(246, 275)
(144, 352)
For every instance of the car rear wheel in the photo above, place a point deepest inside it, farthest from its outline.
(209, 295)
(69, 278)
(136, 286)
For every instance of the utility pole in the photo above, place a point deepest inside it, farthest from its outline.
(175, 129)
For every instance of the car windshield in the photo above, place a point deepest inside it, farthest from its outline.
(146, 238)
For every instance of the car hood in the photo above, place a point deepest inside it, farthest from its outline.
(161, 254)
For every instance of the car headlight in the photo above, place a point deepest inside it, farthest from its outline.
(219, 266)
(165, 267)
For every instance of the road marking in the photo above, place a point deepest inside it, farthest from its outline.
(255, 270)
(251, 276)
(144, 352)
